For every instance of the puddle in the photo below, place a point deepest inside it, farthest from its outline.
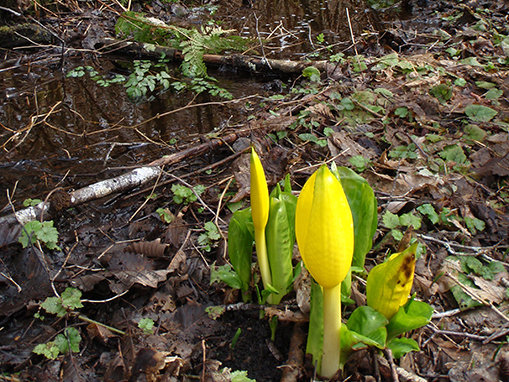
(70, 132)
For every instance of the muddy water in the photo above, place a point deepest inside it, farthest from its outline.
(70, 132)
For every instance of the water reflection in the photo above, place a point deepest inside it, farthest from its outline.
(292, 25)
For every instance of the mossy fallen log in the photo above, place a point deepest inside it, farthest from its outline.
(14, 36)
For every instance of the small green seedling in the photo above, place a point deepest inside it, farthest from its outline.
(147, 325)
(185, 195)
(36, 231)
(64, 343)
(209, 238)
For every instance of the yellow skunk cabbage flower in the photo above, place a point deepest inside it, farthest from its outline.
(260, 214)
(325, 235)
(324, 228)
(389, 283)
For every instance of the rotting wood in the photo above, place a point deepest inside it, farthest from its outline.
(247, 63)
(294, 364)
(127, 181)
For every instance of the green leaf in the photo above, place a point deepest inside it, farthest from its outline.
(351, 341)
(53, 305)
(370, 323)
(49, 350)
(147, 325)
(359, 162)
(347, 103)
(401, 112)
(484, 84)
(312, 73)
(315, 332)
(474, 224)
(470, 61)
(308, 137)
(474, 132)
(402, 346)
(240, 376)
(409, 219)
(464, 300)
(29, 228)
(471, 264)
(442, 92)
(428, 210)
(363, 204)
(453, 153)
(480, 113)
(71, 298)
(225, 274)
(280, 238)
(390, 220)
(31, 202)
(412, 315)
(240, 246)
(494, 94)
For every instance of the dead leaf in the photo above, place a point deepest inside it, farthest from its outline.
(99, 332)
(71, 370)
(341, 142)
(147, 278)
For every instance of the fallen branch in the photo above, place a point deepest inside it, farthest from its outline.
(294, 364)
(130, 180)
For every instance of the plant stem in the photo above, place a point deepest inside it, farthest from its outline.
(263, 260)
(331, 331)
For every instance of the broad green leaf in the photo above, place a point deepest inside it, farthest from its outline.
(411, 316)
(428, 210)
(225, 274)
(363, 205)
(312, 73)
(314, 344)
(474, 132)
(494, 94)
(480, 113)
(280, 237)
(308, 137)
(240, 246)
(470, 61)
(351, 341)
(401, 346)
(69, 339)
(453, 153)
(370, 323)
(471, 264)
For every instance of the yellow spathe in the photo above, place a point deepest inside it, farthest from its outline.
(324, 228)
(259, 193)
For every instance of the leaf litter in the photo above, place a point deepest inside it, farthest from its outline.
(431, 126)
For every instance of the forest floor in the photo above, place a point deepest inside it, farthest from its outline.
(419, 109)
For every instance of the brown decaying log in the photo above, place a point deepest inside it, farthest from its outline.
(248, 63)
(294, 364)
